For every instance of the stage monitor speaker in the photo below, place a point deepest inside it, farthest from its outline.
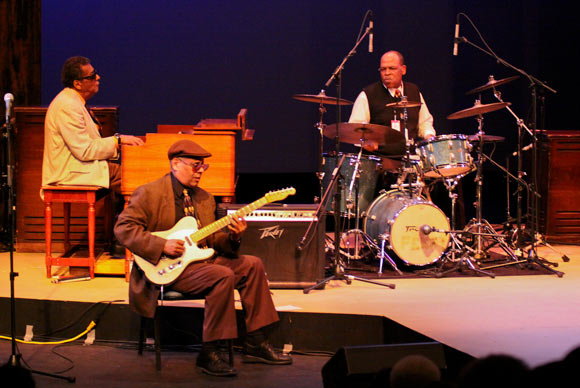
(359, 366)
(273, 234)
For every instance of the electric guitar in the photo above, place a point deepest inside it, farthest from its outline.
(167, 270)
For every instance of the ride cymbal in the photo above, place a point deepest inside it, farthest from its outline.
(403, 104)
(321, 98)
(492, 83)
(478, 109)
(355, 133)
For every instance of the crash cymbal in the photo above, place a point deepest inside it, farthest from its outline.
(486, 138)
(492, 83)
(403, 104)
(352, 133)
(321, 98)
(477, 109)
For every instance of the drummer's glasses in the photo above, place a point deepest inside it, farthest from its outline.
(196, 166)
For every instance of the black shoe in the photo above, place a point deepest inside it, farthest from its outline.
(264, 353)
(211, 363)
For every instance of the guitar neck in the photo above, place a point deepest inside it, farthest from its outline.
(225, 221)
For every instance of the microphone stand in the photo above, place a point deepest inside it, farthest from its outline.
(15, 358)
(532, 255)
(337, 180)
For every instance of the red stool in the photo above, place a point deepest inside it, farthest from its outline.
(67, 195)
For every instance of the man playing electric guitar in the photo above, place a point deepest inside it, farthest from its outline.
(158, 206)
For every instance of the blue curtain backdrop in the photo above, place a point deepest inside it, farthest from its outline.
(179, 61)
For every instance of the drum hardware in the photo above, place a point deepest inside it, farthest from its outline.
(478, 109)
(457, 246)
(532, 256)
(322, 99)
(383, 237)
(355, 133)
(533, 197)
(397, 218)
(336, 181)
(445, 156)
(480, 227)
(492, 84)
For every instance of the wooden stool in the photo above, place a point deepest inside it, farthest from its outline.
(67, 195)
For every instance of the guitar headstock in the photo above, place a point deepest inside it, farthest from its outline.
(279, 195)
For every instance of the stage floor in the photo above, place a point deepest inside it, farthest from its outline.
(535, 318)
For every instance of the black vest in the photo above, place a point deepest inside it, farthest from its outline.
(378, 96)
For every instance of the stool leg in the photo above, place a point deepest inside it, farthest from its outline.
(142, 326)
(66, 224)
(157, 336)
(92, 239)
(48, 236)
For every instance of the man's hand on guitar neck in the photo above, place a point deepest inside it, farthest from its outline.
(237, 228)
(174, 248)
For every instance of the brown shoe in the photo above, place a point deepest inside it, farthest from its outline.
(265, 354)
(211, 363)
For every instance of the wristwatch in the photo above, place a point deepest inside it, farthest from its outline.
(118, 137)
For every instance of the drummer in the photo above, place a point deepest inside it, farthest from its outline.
(370, 105)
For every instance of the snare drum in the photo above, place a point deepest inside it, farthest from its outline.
(398, 218)
(368, 173)
(445, 156)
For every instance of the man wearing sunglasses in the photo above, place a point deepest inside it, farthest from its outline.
(158, 206)
(74, 151)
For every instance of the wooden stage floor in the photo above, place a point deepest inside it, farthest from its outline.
(535, 318)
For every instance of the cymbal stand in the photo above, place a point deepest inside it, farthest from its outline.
(338, 264)
(320, 127)
(354, 186)
(482, 227)
(465, 261)
(533, 197)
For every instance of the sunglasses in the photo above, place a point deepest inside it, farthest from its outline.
(92, 76)
(196, 166)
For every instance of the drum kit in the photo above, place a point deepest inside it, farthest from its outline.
(402, 225)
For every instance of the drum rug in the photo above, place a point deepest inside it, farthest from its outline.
(496, 264)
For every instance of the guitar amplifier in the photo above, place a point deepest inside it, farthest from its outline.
(273, 233)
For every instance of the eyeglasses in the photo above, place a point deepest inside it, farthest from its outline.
(196, 166)
(92, 76)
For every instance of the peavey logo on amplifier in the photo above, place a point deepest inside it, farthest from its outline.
(275, 232)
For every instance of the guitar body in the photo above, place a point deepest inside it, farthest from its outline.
(167, 269)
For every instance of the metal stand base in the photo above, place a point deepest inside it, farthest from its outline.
(340, 275)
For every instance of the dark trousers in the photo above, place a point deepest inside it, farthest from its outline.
(216, 282)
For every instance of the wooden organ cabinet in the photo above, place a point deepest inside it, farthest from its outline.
(139, 165)
(559, 185)
(28, 151)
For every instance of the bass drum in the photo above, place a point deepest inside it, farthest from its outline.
(399, 219)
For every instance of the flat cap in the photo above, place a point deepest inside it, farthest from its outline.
(187, 149)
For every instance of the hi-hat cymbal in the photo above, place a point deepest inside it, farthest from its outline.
(486, 138)
(355, 133)
(477, 109)
(492, 83)
(321, 98)
(403, 104)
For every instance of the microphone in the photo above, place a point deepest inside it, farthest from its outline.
(426, 229)
(8, 99)
(371, 32)
(456, 39)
